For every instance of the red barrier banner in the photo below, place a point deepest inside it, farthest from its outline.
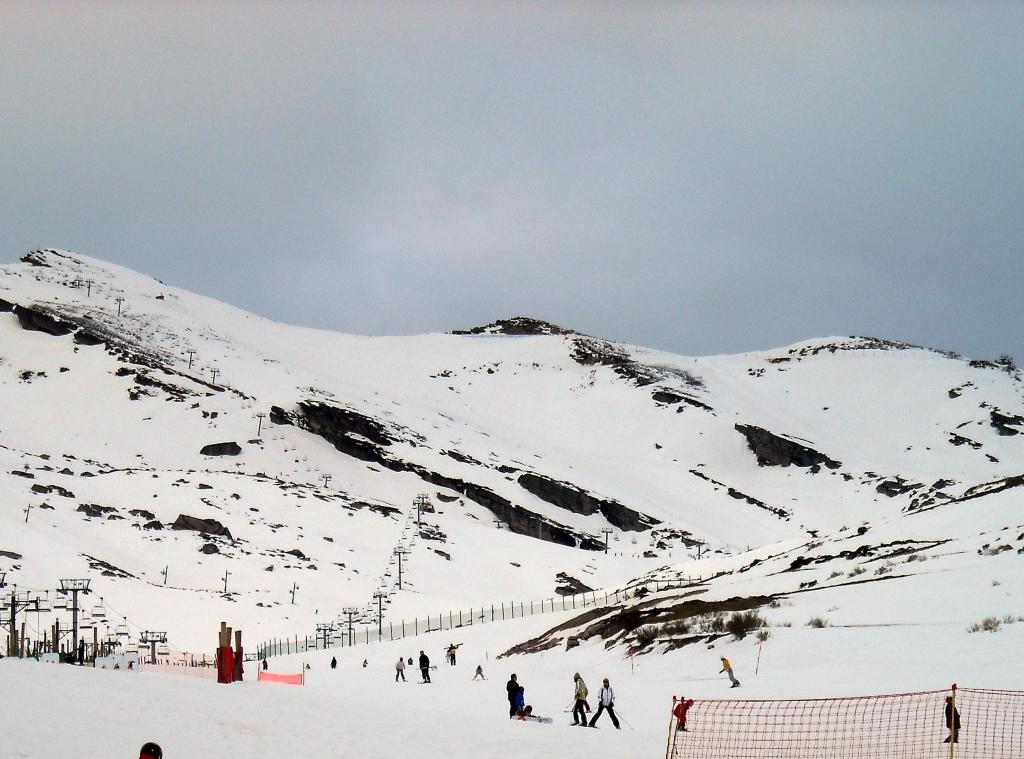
(274, 677)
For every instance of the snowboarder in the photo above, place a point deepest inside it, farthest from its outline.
(479, 672)
(425, 667)
(606, 701)
(952, 721)
(452, 649)
(400, 669)
(727, 668)
(680, 712)
(334, 662)
(579, 711)
(512, 688)
(150, 751)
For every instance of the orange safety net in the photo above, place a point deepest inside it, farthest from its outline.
(274, 677)
(895, 726)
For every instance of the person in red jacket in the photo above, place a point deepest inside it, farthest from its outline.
(150, 751)
(680, 712)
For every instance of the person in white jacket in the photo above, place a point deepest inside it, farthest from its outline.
(606, 701)
(400, 669)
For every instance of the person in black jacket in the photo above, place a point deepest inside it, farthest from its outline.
(425, 667)
(952, 721)
(512, 686)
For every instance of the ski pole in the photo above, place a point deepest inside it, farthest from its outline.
(626, 721)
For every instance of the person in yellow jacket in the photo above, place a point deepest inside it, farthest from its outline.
(579, 709)
(727, 668)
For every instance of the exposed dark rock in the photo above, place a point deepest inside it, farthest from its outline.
(36, 320)
(575, 499)
(142, 513)
(209, 549)
(1005, 424)
(37, 488)
(87, 337)
(153, 525)
(446, 498)
(297, 554)
(773, 450)
(465, 458)
(204, 526)
(6, 306)
(221, 449)
(959, 440)
(107, 569)
(566, 585)
(279, 416)
(896, 486)
(669, 398)
(741, 496)
(20, 473)
(11, 555)
(95, 510)
(443, 554)
(516, 325)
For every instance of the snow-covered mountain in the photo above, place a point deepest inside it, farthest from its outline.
(143, 427)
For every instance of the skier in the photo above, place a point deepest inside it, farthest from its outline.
(400, 669)
(479, 672)
(512, 688)
(680, 712)
(452, 649)
(425, 667)
(606, 701)
(150, 751)
(579, 711)
(334, 662)
(952, 721)
(727, 668)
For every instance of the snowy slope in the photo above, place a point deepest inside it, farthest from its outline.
(104, 412)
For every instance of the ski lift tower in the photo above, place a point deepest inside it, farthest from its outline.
(351, 612)
(421, 502)
(74, 587)
(150, 638)
(325, 631)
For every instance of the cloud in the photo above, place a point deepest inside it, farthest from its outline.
(701, 178)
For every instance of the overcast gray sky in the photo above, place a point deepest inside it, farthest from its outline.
(702, 178)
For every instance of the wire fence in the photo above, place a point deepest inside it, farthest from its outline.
(965, 722)
(364, 634)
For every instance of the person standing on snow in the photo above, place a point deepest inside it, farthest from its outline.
(579, 709)
(400, 669)
(452, 650)
(952, 721)
(425, 667)
(680, 712)
(727, 668)
(334, 662)
(606, 701)
(512, 687)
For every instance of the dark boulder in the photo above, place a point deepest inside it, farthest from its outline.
(773, 450)
(204, 526)
(221, 449)
(44, 489)
(209, 549)
(1005, 423)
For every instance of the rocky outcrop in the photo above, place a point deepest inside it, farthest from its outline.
(36, 320)
(566, 585)
(365, 438)
(203, 526)
(774, 450)
(44, 489)
(896, 486)
(516, 325)
(572, 498)
(1006, 424)
(221, 449)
